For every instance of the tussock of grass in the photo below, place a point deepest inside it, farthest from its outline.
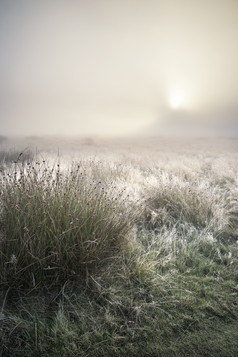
(174, 199)
(56, 225)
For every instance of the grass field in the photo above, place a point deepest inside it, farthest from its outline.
(119, 249)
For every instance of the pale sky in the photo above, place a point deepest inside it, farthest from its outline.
(116, 66)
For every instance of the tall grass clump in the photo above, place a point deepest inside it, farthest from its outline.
(57, 225)
(175, 200)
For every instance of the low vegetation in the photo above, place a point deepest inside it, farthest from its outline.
(119, 258)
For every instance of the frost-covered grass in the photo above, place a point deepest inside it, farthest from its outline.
(58, 225)
(132, 257)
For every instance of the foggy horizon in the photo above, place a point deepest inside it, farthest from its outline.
(121, 68)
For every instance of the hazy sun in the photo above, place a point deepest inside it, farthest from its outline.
(176, 99)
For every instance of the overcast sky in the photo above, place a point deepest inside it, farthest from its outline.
(116, 66)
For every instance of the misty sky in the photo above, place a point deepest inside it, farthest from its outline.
(116, 66)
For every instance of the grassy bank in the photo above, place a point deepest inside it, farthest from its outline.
(119, 259)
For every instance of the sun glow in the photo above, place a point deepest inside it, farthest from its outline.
(176, 100)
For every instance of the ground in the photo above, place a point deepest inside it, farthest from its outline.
(119, 247)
